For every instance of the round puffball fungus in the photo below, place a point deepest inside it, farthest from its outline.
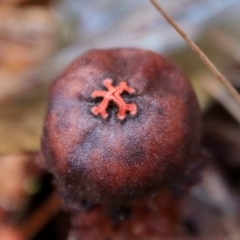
(121, 124)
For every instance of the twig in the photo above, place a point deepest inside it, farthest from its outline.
(41, 217)
(232, 91)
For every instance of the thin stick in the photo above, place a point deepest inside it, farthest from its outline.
(41, 217)
(232, 91)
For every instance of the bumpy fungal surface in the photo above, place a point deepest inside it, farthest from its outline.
(121, 123)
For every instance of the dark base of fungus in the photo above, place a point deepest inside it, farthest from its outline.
(150, 218)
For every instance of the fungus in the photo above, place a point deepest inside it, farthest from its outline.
(103, 158)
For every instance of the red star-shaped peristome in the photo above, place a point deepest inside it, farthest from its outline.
(114, 94)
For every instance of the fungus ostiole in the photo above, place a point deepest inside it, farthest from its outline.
(114, 94)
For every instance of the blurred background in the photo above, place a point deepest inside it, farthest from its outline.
(38, 38)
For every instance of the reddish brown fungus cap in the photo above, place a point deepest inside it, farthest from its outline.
(121, 123)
